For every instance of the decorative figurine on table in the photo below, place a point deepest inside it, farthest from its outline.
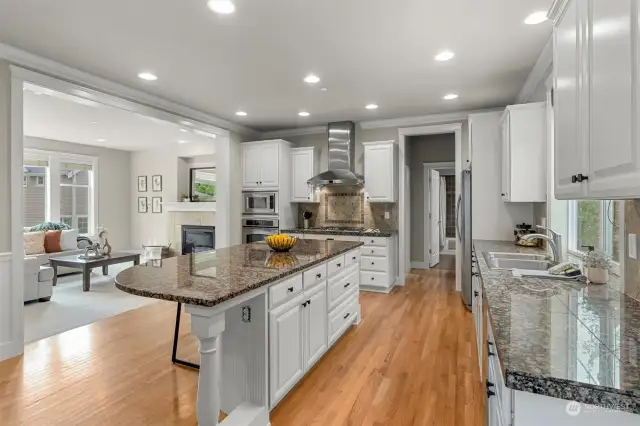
(91, 252)
(103, 241)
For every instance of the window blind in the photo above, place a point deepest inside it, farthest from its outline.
(75, 166)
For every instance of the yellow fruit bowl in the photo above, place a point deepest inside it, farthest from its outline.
(281, 260)
(281, 242)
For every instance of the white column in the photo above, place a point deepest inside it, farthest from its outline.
(208, 324)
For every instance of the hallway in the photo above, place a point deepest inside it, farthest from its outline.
(411, 362)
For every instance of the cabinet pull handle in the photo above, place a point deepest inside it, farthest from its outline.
(490, 393)
(347, 315)
(372, 278)
(309, 302)
(354, 258)
(574, 179)
(582, 177)
(347, 285)
(304, 305)
(489, 353)
(373, 263)
(318, 275)
(339, 265)
(476, 294)
(290, 289)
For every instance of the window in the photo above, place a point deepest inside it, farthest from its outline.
(34, 201)
(75, 188)
(595, 223)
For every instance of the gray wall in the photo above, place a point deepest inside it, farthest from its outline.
(425, 149)
(113, 182)
(5, 157)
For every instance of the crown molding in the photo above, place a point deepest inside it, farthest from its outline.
(557, 9)
(539, 73)
(66, 73)
(424, 119)
(276, 134)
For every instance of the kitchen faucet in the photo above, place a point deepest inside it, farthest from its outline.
(555, 241)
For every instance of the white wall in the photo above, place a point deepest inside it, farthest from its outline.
(153, 228)
(424, 149)
(492, 219)
(113, 177)
(5, 158)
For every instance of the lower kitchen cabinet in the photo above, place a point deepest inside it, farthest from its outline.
(286, 354)
(315, 325)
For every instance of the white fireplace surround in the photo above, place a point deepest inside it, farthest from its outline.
(172, 206)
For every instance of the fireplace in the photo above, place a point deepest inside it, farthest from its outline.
(198, 238)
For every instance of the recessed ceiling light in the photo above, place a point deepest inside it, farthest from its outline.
(303, 114)
(445, 55)
(311, 79)
(222, 6)
(184, 130)
(324, 89)
(450, 96)
(241, 113)
(183, 141)
(148, 76)
(536, 18)
(94, 122)
(185, 123)
(371, 106)
(101, 140)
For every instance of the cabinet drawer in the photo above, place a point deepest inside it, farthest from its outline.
(343, 285)
(374, 251)
(335, 266)
(377, 264)
(285, 291)
(342, 317)
(374, 241)
(374, 279)
(351, 258)
(315, 275)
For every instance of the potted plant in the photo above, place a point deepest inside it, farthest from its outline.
(596, 265)
(185, 198)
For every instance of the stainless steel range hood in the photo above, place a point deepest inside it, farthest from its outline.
(342, 145)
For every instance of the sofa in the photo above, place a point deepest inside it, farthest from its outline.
(38, 281)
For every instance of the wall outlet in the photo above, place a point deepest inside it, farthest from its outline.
(633, 246)
(387, 215)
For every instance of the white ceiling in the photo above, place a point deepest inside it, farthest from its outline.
(364, 51)
(53, 115)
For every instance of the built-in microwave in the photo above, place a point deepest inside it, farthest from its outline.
(260, 202)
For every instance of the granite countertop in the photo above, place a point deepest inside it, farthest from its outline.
(210, 278)
(354, 233)
(563, 339)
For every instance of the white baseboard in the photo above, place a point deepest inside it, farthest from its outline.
(420, 265)
(449, 252)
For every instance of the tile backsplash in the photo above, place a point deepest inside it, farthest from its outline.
(346, 206)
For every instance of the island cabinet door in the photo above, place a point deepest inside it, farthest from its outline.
(286, 363)
(315, 325)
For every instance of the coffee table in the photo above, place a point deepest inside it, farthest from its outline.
(72, 261)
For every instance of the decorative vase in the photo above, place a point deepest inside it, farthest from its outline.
(106, 248)
(597, 275)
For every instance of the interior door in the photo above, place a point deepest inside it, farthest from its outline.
(434, 215)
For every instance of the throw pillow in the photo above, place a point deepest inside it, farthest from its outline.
(69, 239)
(52, 241)
(34, 243)
(49, 226)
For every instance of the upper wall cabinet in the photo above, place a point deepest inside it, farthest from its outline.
(263, 163)
(596, 113)
(524, 166)
(380, 176)
(304, 166)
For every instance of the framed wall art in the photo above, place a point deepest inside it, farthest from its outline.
(142, 184)
(142, 205)
(156, 183)
(156, 204)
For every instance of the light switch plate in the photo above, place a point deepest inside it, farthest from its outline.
(387, 215)
(633, 246)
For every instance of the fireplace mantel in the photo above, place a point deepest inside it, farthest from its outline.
(172, 206)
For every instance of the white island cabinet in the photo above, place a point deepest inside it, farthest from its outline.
(596, 87)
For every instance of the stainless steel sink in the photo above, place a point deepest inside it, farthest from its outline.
(535, 262)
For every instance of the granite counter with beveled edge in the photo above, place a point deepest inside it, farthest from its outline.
(210, 278)
(563, 339)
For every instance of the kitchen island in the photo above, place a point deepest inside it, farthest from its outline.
(559, 352)
(263, 319)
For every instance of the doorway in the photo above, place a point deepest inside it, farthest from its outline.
(439, 217)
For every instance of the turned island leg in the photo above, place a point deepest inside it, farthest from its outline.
(208, 324)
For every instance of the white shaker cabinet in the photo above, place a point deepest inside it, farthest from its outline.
(524, 139)
(286, 355)
(597, 143)
(315, 325)
(251, 166)
(261, 164)
(304, 166)
(380, 177)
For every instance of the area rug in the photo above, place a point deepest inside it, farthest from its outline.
(70, 307)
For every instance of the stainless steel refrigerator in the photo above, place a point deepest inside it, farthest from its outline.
(463, 228)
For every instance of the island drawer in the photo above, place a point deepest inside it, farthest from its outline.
(335, 266)
(285, 291)
(374, 241)
(341, 286)
(377, 264)
(342, 317)
(315, 275)
(352, 257)
(374, 279)
(374, 251)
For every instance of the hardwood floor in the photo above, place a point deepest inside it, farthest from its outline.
(410, 362)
